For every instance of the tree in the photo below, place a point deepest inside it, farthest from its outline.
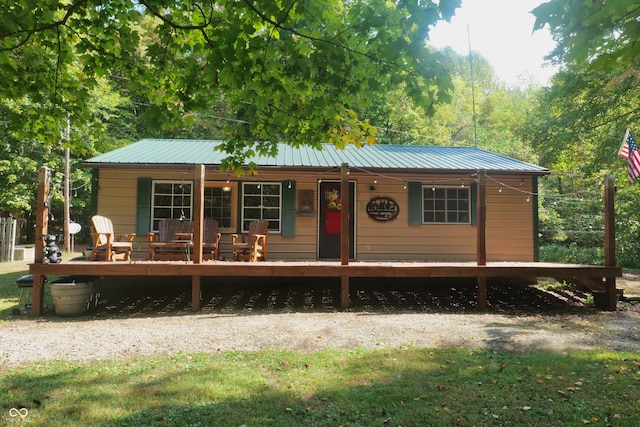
(288, 69)
(577, 130)
(598, 33)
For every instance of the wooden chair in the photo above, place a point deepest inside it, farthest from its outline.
(253, 246)
(210, 240)
(106, 243)
(173, 240)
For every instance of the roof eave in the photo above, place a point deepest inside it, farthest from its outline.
(321, 169)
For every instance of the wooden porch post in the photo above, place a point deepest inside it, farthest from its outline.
(481, 211)
(346, 209)
(42, 228)
(610, 241)
(481, 250)
(344, 291)
(198, 233)
(198, 213)
(344, 234)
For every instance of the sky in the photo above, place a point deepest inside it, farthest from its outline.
(501, 30)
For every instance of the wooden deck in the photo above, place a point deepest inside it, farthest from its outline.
(594, 277)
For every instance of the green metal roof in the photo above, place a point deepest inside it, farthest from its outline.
(150, 152)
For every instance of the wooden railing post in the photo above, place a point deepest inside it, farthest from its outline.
(609, 222)
(481, 251)
(198, 234)
(344, 234)
(198, 213)
(346, 209)
(610, 241)
(42, 228)
(481, 211)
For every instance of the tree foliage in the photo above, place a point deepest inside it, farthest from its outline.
(598, 33)
(581, 120)
(289, 70)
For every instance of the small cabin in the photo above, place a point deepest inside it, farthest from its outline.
(405, 203)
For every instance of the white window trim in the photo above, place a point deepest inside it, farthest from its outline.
(169, 181)
(446, 187)
(242, 207)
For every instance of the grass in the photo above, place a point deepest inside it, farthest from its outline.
(398, 387)
(9, 292)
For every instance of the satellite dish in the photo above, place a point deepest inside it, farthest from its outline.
(74, 228)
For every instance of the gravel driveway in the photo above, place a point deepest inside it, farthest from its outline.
(159, 321)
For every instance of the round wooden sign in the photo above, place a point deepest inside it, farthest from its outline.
(382, 209)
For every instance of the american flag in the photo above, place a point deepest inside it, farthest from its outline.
(629, 151)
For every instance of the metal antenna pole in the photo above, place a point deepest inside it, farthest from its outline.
(473, 92)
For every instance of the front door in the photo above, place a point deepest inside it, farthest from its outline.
(329, 221)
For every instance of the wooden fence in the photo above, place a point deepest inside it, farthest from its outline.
(7, 238)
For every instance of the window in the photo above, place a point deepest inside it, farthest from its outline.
(261, 201)
(219, 204)
(171, 199)
(445, 205)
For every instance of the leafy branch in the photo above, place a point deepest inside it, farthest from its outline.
(28, 33)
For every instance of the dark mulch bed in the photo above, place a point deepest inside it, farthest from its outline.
(135, 297)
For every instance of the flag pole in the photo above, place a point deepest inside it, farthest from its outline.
(624, 142)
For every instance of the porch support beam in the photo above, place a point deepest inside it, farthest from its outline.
(198, 213)
(481, 248)
(610, 241)
(344, 291)
(196, 293)
(42, 228)
(344, 218)
(481, 251)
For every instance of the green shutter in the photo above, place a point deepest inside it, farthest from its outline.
(143, 207)
(240, 212)
(415, 203)
(95, 182)
(288, 209)
(474, 203)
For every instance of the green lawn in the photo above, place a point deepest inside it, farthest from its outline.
(9, 292)
(399, 387)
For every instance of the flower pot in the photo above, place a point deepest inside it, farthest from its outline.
(71, 298)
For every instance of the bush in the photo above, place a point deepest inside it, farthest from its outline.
(572, 254)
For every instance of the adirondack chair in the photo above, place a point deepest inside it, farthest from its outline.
(253, 246)
(210, 240)
(106, 243)
(173, 240)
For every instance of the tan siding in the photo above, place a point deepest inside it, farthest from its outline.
(509, 221)
(509, 217)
